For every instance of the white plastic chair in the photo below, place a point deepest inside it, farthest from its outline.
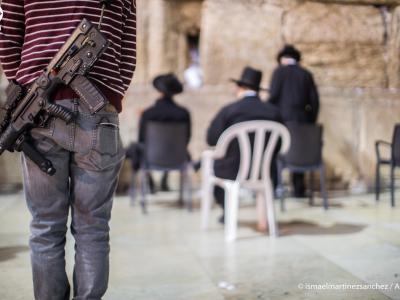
(259, 162)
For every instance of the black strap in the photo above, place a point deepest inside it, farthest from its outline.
(104, 4)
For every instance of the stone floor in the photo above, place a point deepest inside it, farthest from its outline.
(164, 255)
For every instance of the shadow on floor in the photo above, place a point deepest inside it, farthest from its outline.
(8, 253)
(297, 227)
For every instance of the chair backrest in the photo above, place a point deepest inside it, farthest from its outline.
(396, 145)
(166, 145)
(252, 165)
(306, 145)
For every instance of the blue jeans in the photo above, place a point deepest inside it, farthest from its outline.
(87, 155)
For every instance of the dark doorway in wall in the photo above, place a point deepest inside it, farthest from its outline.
(182, 34)
(193, 46)
(193, 75)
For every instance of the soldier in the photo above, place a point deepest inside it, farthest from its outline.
(87, 153)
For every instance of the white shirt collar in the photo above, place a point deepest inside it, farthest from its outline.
(249, 93)
(291, 61)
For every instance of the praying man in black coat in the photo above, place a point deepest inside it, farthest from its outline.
(294, 91)
(249, 107)
(165, 109)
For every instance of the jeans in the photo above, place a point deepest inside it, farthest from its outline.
(87, 155)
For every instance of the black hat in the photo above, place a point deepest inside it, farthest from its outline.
(168, 84)
(250, 78)
(289, 51)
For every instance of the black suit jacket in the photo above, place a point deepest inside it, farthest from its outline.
(164, 110)
(246, 109)
(293, 90)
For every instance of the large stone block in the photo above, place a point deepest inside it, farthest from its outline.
(340, 65)
(10, 171)
(156, 38)
(142, 41)
(163, 26)
(379, 112)
(364, 2)
(236, 34)
(314, 22)
(340, 134)
(393, 65)
(353, 120)
(342, 44)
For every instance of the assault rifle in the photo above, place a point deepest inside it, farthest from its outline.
(25, 110)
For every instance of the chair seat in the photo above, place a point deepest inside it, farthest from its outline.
(165, 149)
(259, 185)
(304, 155)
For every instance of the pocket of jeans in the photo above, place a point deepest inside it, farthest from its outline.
(42, 138)
(107, 141)
(105, 153)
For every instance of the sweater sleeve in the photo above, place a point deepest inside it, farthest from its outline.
(189, 122)
(314, 99)
(217, 127)
(275, 88)
(12, 36)
(128, 47)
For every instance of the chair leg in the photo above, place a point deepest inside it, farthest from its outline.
(261, 212)
(269, 200)
(207, 185)
(181, 199)
(206, 201)
(311, 201)
(144, 184)
(231, 211)
(187, 188)
(133, 189)
(281, 189)
(323, 186)
(377, 182)
(392, 186)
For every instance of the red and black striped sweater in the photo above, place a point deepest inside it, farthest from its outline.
(32, 31)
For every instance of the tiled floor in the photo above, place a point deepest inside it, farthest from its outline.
(165, 255)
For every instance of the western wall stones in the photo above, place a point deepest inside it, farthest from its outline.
(351, 46)
(10, 174)
(342, 44)
(239, 33)
(313, 22)
(393, 57)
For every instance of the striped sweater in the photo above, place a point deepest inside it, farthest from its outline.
(32, 31)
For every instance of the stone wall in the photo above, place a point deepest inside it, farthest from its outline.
(344, 45)
(352, 48)
(237, 33)
(163, 26)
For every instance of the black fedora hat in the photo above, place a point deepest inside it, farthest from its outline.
(250, 78)
(168, 84)
(289, 51)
